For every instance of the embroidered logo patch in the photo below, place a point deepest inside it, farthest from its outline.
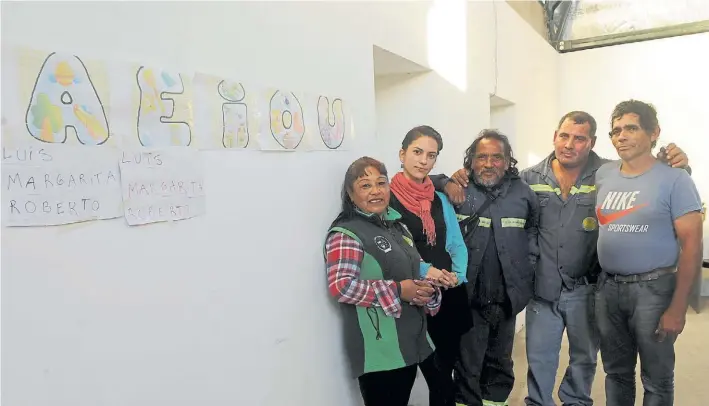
(382, 243)
(589, 224)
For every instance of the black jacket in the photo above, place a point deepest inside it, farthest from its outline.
(514, 218)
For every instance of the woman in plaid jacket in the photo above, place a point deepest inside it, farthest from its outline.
(373, 270)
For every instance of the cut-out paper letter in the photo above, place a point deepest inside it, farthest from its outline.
(64, 98)
(235, 128)
(286, 118)
(156, 127)
(332, 131)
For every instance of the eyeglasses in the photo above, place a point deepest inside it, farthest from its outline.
(630, 128)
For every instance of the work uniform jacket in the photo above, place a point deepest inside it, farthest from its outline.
(568, 229)
(513, 216)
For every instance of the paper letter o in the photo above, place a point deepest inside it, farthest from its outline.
(287, 125)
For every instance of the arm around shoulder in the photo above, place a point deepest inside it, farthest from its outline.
(439, 181)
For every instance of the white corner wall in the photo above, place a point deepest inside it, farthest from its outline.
(231, 308)
(670, 73)
(504, 56)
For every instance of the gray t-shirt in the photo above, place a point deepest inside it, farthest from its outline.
(636, 217)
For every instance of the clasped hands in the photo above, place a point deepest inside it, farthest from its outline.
(420, 292)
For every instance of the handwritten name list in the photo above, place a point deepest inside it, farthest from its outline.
(162, 185)
(56, 185)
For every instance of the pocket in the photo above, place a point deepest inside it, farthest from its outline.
(533, 306)
(585, 216)
(586, 201)
(663, 286)
(544, 210)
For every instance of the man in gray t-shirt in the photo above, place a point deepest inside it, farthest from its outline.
(636, 215)
(649, 246)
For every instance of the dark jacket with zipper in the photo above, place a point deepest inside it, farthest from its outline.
(374, 341)
(513, 216)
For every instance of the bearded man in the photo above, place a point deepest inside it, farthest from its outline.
(499, 219)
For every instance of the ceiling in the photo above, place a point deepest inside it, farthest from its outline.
(583, 24)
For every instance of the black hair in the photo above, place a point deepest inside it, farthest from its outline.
(422, 131)
(645, 111)
(495, 135)
(356, 170)
(580, 117)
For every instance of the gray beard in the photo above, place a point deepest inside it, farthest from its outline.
(488, 183)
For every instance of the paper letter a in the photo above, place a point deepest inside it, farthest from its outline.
(64, 98)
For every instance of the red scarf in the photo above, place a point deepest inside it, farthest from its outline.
(417, 198)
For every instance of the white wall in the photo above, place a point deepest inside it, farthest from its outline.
(500, 49)
(669, 73)
(504, 118)
(231, 308)
(505, 57)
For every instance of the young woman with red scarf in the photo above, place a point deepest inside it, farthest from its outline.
(432, 221)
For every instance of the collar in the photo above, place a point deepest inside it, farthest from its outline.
(389, 215)
(593, 163)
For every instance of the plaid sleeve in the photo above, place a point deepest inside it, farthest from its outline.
(344, 257)
(434, 305)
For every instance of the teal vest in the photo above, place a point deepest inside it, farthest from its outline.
(373, 340)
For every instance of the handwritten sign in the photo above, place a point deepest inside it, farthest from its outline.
(52, 185)
(162, 185)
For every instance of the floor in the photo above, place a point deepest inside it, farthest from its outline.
(691, 372)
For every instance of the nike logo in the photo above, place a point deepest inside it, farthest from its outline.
(609, 218)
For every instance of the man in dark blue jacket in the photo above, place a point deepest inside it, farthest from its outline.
(564, 183)
(499, 220)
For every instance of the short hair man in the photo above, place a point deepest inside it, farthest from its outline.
(649, 248)
(568, 266)
(499, 220)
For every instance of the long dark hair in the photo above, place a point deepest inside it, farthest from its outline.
(356, 170)
(495, 135)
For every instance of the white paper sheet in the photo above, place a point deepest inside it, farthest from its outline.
(153, 106)
(282, 120)
(59, 184)
(56, 98)
(225, 113)
(162, 185)
(329, 123)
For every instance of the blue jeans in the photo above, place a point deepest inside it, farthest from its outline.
(628, 315)
(546, 322)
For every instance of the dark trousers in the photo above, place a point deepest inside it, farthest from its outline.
(388, 388)
(484, 372)
(445, 330)
(628, 315)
